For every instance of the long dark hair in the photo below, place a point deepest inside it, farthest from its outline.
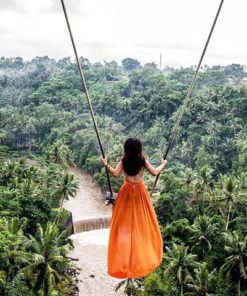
(133, 159)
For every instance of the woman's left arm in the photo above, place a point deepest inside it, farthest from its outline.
(114, 172)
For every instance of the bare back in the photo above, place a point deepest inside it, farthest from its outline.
(140, 176)
(137, 178)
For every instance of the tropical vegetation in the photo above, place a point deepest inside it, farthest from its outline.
(201, 197)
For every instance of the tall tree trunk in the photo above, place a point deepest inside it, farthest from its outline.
(228, 217)
(239, 287)
(60, 210)
(40, 279)
(57, 218)
(17, 142)
(182, 290)
(46, 288)
(189, 160)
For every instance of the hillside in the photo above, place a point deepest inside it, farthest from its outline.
(202, 195)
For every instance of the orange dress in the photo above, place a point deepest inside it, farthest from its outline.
(135, 244)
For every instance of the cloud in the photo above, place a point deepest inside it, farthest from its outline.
(74, 7)
(13, 5)
(113, 30)
(169, 45)
(4, 31)
(44, 6)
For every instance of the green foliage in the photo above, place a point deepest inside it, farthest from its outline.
(202, 282)
(28, 194)
(36, 210)
(171, 204)
(130, 64)
(203, 193)
(18, 287)
(47, 259)
(179, 264)
(60, 153)
(178, 231)
(234, 268)
(203, 232)
(132, 287)
(241, 163)
(154, 285)
(11, 253)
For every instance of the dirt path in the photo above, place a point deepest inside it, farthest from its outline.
(89, 201)
(91, 246)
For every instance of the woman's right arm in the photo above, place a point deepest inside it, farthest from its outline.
(114, 172)
(155, 171)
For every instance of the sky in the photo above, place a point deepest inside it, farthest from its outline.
(106, 30)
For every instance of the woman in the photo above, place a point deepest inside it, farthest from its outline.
(135, 243)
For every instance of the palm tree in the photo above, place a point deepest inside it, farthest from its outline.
(28, 186)
(205, 180)
(235, 263)
(188, 176)
(201, 282)
(2, 136)
(196, 191)
(214, 204)
(242, 179)
(200, 187)
(68, 187)
(14, 252)
(222, 180)
(56, 151)
(197, 196)
(8, 172)
(201, 116)
(206, 140)
(179, 264)
(22, 168)
(47, 259)
(186, 151)
(203, 231)
(235, 124)
(205, 176)
(213, 128)
(13, 226)
(32, 145)
(69, 157)
(232, 197)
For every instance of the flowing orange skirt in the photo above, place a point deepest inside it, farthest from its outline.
(135, 245)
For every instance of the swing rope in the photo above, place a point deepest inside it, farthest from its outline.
(189, 92)
(87, 94)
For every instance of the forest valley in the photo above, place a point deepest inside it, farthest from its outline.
(201, 196)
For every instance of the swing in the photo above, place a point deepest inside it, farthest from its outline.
(110, 195)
